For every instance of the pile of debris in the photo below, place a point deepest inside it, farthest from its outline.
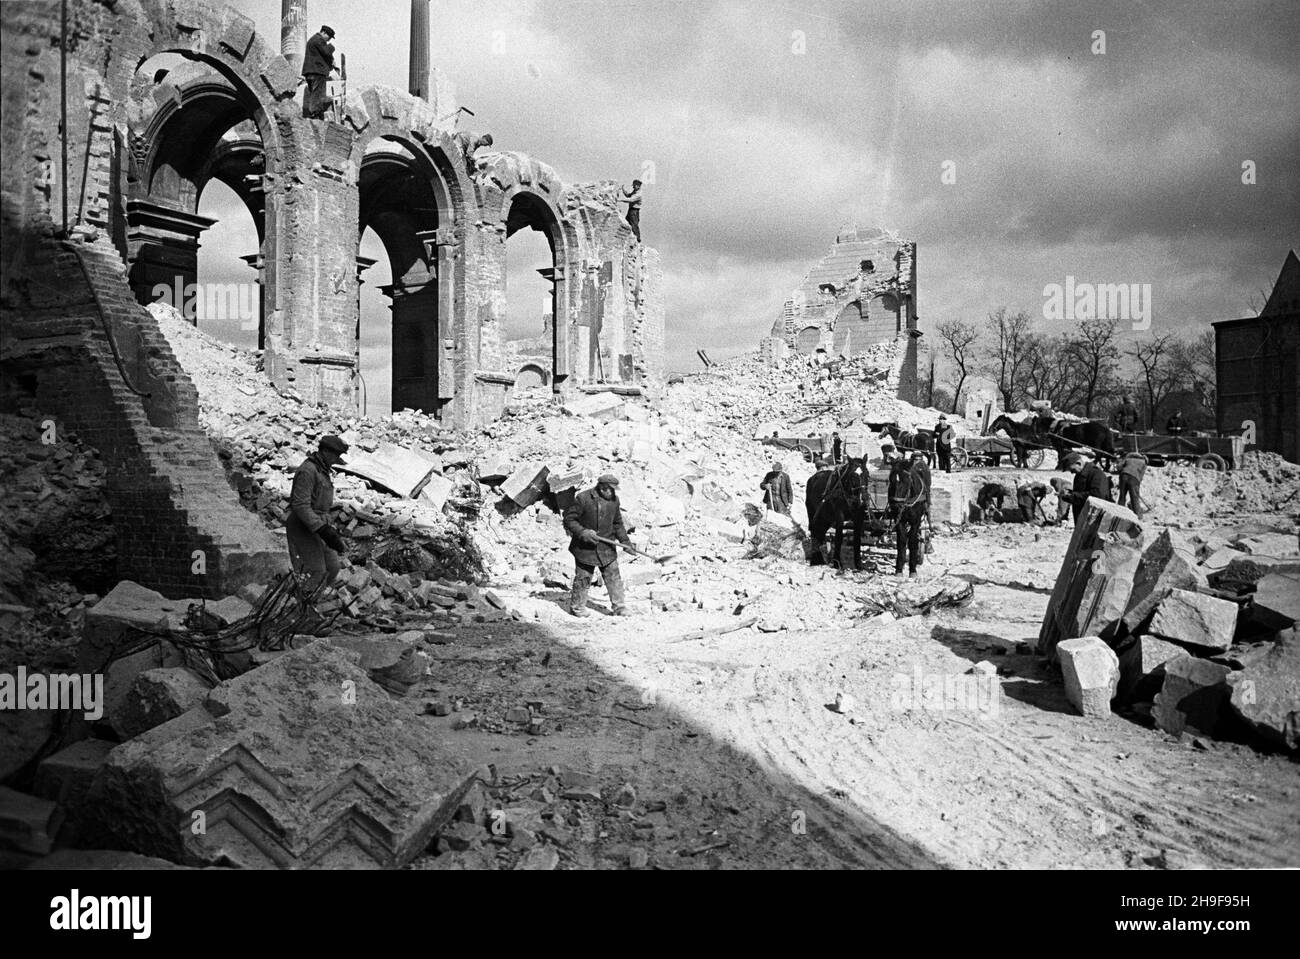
(1198, 633)
(1181, 494)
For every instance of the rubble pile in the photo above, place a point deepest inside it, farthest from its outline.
(799, 397)
(1181, 494)
(57, 547)
(263, 434)
(1195, 632)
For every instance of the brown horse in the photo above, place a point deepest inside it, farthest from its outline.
(834, 497)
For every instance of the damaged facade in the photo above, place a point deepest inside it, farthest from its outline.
(148, 133)
(862, 293)
(166, 97)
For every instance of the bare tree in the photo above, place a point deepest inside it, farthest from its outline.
(1010, 334)
(1194, 368)
(959, 339)
(1094, 349)
(1052, 372)
(1157, 371)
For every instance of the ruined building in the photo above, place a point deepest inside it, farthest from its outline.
(165, 96)
(862, 293)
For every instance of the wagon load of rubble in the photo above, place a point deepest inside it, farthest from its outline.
(1202, 628)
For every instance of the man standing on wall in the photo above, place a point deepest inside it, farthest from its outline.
(317, 63)
(315, 545)
(633, 200)
(469, 144)
(596, 516)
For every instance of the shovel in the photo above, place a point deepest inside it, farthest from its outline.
(637, 552)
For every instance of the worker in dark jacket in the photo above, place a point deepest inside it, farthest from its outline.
(317, 63)
(778, 494)
(1175, 426)
(1089, 480)
(594, 515)
(315, 545)
(943, 443)
(1131, 470)
(1125, 417)
(1029, 497)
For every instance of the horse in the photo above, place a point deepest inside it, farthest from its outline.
(1063, 437)
(834, 497)
(1024, 436)
(910, 440)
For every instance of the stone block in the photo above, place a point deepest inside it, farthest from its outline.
(1164, 566)
(1266, 693)
(230, 610)
(302, 762)
(1244, 572)
(155, 697)
(1090, 669)
(66, 776)
(1141, 667)
(1096, 578)
(436, 490)
(1276, 604)
(1195, 620)
(600, 406)
(526, 484)
(28, 824)
(1277, 545)
(1193, 696)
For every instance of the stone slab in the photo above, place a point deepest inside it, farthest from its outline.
(302, 762)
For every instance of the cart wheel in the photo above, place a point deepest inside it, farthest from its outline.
(1212, 461)
(1035, 458)
(960, 458)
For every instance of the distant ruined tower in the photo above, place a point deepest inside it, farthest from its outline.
(293, 31)
(418, 84)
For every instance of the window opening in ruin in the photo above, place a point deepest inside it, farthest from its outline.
(228, 300)
(375, 329)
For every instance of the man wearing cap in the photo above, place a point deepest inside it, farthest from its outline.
(594, 515)
(317, 62)
(1089, 480)
(1029, 497)
(943, 443)
(778, 494)
(633, 200)
(314, 545)
(1125, 416)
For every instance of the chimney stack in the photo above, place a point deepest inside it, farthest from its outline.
(419, 78)
(293, 31)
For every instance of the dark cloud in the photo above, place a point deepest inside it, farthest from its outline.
(1115, 165)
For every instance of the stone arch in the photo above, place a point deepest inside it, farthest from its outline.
(807, 339)
(530, 375)
(882, 321)
(850, 337)
(412, 192)
(228, 42)
(516, 192)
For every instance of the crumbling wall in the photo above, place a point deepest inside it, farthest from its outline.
(862, 293)
(74, 335)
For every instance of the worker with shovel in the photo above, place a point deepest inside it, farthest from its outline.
(595, 523)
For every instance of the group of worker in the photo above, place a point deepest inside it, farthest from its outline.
(1089, 480)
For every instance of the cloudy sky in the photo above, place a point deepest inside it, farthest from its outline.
(770, 125)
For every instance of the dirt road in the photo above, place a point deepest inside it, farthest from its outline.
(737, 736)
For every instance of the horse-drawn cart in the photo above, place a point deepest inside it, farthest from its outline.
(989, 451)
(1207, 452)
